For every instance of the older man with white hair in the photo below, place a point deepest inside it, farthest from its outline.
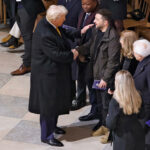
(50, 94)
(141, 50)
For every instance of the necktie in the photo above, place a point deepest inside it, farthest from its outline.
(58, 31)
(85, 18)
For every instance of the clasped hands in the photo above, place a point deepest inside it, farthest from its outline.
(75, 54)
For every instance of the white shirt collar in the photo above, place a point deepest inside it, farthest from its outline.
(51, 23)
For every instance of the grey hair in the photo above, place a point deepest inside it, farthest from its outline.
(55, 11)
(142, 47)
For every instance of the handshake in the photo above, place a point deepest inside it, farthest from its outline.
(75, 54)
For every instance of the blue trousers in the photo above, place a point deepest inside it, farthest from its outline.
(48, 125)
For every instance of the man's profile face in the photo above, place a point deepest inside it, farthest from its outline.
(89, 5)
(61, 20)
(99, 21)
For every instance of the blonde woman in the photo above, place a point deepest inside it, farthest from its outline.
(125, 109)
(128, 62)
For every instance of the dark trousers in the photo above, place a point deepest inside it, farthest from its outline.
(48, 125)
(26, 24)
(147, 117)
(81, 87)
(11, 4)
(103, 99)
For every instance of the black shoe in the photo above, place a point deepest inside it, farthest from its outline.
(59, 131)
(90, 116)
(53, 142)
(12, 41)
(97, 126)
(77, 105)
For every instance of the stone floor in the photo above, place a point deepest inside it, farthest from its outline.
(20, 129)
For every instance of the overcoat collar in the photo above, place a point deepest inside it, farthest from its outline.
(52, 28)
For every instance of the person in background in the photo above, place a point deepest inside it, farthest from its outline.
(141, 77)
(128, 61)
(27, 11)
(125, 110)
(86, 17)
(118, 8)
(74, 8)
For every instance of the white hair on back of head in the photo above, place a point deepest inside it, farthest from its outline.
(142, 47)
(55, 11)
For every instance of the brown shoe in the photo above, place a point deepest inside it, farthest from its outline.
(5, 39)
(104, 139)
(22, 70)
(101, 131)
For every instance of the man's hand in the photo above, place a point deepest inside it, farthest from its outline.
(86, 28)
(75, 53)
(102, 84)
(110, 92)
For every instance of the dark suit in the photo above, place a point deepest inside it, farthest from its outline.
(74, 9)
(27, 11)
(50, 93)
(82, 81)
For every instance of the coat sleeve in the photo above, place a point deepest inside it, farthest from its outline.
(85, 48)
(113, 115)
(113, 59)
(51, 50)
(72, 33)
(148, 78)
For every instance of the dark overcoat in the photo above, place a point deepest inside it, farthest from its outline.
(118, 8)
(50, 92)
(142, 83)
(142, 79)
(128, 133)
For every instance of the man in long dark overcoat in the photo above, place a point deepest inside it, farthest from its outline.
(50, 94)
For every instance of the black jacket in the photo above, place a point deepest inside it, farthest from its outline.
(128, 133)
(105, 60)
(129, 64)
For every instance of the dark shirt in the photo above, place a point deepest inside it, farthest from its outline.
(98, 40)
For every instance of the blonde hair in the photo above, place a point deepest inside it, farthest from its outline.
(55, 11)
(128, 37)
(126, 94)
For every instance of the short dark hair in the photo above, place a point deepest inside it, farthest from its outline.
(107, 15)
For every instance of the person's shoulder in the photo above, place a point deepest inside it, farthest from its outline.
(114, 102)
(113, 33)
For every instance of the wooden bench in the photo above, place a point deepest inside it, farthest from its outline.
(144, 7)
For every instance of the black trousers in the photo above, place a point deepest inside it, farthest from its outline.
(26, 25)
(81, 87)
(103, 99)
